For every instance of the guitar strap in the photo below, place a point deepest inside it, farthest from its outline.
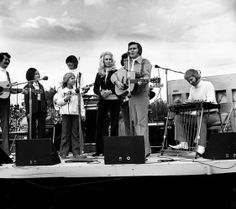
(8, 77)
(142, 67)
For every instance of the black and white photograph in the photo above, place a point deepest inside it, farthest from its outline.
(117, 103)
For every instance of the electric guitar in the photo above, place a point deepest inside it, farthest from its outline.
(122, 77)
(6, 90)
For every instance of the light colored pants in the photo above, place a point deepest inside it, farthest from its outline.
(139, 112)
(180, 132)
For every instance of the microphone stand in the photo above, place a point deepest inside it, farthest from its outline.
(30, 111)
(167, 101)
(16, 117)
(166, 75)
(129, 97)
(81, 134)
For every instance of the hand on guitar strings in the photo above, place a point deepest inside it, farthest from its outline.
(120, 85)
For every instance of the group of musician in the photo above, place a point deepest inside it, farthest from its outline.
(113, 88)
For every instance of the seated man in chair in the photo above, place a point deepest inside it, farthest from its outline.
(200, 91)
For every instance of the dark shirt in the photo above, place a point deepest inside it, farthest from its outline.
(36, 105)
(102, 84)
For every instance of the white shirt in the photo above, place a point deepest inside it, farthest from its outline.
(36, 86)
(3, 75)
(204, 91)
(70, 107)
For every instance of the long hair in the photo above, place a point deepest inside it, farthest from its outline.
(101, 68)
(66, 77)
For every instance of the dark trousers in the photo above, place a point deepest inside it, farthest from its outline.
(70, 135)
(103, 121)
(38, 125)
(4, 117)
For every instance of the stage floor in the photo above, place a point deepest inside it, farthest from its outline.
(164, 181)
(169, 164)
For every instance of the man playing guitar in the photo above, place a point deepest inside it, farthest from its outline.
(5, 102)
(139, 100)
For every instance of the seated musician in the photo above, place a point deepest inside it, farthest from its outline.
(200, 91)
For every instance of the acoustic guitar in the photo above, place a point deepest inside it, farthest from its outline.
(6, 90)
(122, 77)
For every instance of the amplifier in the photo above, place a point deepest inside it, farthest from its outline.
(30, 152)
(221, 146)
(156, 133)
(124, 150)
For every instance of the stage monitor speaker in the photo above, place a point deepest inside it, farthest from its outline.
(4, 158)
(156, 133)
(221, 146)
(124, 150)
(30, 152)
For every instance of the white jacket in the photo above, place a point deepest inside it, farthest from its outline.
(70, 107)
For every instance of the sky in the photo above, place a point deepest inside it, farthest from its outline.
(174, 34)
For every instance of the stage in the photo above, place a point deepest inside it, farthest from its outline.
(162, 181)
(156, 165)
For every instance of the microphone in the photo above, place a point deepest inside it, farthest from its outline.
(44, 78)
(163, 68)
(157, 66)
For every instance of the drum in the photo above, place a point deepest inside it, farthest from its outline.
(23, 124)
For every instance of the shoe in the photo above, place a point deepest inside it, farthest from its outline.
(63, 156)
(83, 155)
(148, 154)
(181, 145)
(97, 155)
(77, 156)
(200, 149)
(198, 155)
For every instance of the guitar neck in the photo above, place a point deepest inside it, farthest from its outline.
(12, 90)
(137, 80)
